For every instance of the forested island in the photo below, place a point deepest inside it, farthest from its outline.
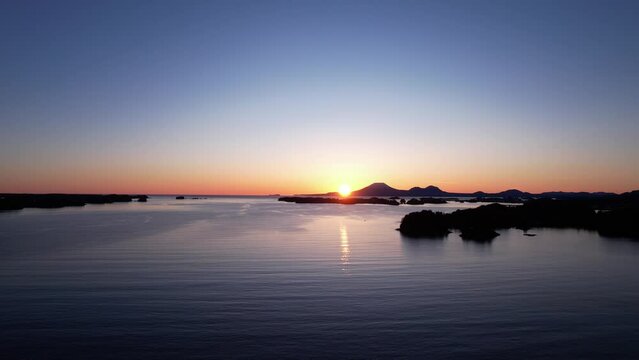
(613, 216)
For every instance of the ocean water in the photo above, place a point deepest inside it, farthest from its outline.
(255, 278)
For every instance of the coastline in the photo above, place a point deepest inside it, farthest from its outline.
(9, 202)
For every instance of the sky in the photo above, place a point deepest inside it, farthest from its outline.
(263, 97)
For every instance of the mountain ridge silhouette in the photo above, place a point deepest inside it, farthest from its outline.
(383, 189)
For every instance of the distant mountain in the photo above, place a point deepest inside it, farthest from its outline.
(427, 191)
(383, 189)
(514, 193)
(379, 189)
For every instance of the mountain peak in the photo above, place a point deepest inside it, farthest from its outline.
(379, 184)
(378, 189)
(383, 189)
(429, 190)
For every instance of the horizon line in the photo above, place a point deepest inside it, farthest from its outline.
(310, 193)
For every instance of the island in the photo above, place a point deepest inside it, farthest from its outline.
(428, 200)
(337, 200)
(614, 216)
(49, 201)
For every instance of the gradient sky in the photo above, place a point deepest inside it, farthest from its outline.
(255, 97)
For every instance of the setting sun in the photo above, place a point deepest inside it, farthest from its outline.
(344, 190)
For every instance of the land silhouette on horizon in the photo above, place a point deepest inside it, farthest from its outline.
(383, 189)
(610, 214)
(52, 201)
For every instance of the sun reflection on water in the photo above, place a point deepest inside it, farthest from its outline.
(345, 247)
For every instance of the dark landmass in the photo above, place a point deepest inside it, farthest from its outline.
(504, 200)
(511, 195)
(612, 216)
(336, 200)
(422, 201)
(425, 223)
(179, 198)
(379, 189)
(49, 201)
(478, 234)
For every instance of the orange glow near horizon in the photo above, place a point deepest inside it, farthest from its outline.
(208, 185)
(233, 178)
(263, 100)
(344, 190)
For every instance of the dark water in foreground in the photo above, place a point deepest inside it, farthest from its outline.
(251, 277)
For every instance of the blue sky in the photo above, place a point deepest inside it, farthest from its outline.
(294, 96)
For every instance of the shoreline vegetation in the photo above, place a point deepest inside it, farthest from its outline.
(615, 216)
(52, 201)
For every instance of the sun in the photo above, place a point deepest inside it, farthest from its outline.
(344, 190)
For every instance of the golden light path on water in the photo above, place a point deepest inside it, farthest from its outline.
(345, 248)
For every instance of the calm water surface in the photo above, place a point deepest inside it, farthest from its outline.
(252, 277)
